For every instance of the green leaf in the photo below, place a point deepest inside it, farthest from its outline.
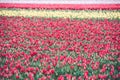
(96, 72)
(75, 68)
(37, 76)
(14, 77)
(67, 69)
(5, 78)
(77, 73)
(90, 74)
(68, 53)
(22, 76)
(3, 62)
(62, 71)
(58, 71)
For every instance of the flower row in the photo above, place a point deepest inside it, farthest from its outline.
(81, 14)
(63, 6)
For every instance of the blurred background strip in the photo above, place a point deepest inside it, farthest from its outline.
(62, 1)
(61, 4)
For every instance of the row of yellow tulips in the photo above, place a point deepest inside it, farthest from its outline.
(82, 14)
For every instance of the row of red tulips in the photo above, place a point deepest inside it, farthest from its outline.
(51, 49)
(63, 6)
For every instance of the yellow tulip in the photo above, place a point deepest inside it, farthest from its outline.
(81, 14)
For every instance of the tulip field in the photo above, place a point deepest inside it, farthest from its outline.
(42, 44)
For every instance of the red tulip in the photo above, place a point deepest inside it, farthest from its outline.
(51, 71)
(17, 76)
(72, 67)
(60, 77)
(68, 76)
(42, 78)
(44, 71)
(102, 76)
(31, 76)
(93, 77)
(119, 68)
(33, 53)
(79, 78)
(86, 75)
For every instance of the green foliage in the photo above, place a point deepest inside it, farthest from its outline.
(2, 62)
(14, 77)
(37, 76)
(35, 64)
(23, 76)
(67, 70)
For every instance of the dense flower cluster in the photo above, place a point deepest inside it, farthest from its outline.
(81, 14)
(59, 49)
(62, 6)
